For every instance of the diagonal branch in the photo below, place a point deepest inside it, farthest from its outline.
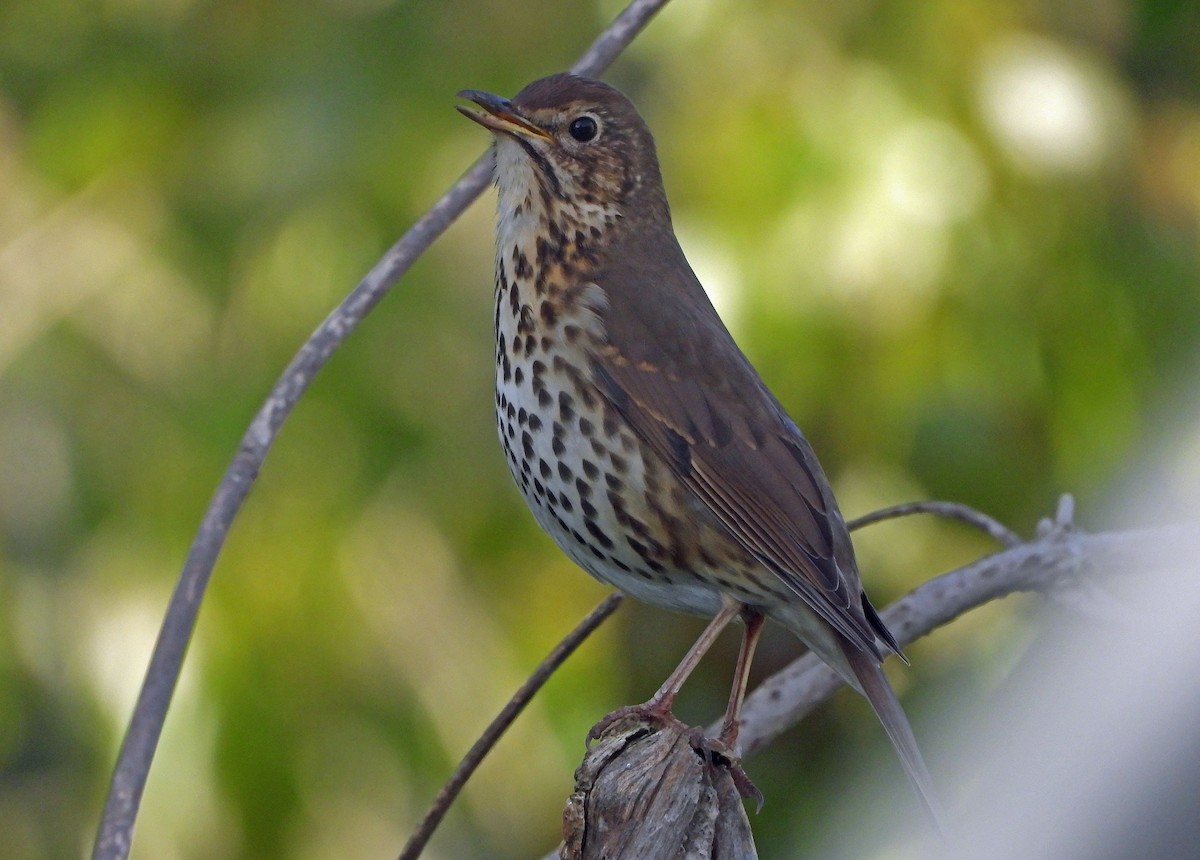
(115, 834)
(1062, 563)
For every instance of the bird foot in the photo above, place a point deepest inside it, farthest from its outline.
(716, 751)
(647, 712)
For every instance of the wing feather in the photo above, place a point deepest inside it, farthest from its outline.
(693, 398)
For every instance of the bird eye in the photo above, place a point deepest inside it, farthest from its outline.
(583, 128)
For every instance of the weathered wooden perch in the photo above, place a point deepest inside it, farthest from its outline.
(645, 791)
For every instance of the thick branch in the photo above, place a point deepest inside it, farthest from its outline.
(1062, 563)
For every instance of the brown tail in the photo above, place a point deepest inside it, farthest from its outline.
(887, 707)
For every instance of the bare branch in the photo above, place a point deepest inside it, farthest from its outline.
(115, 833)
(951, 510)
(1061, 563)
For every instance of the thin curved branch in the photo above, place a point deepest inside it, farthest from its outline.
(115, 832)
(990, 526)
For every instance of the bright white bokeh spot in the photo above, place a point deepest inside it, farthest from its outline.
(716, 269)
(932, 174)
(1049, 110)
(117, 649)
(882, 261)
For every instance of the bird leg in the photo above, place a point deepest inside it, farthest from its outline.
(727, 739)
(658, 707)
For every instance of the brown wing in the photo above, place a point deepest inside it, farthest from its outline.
(671, 368)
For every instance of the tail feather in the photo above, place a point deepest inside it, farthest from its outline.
(874, 685)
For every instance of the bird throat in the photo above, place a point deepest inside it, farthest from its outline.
(547, 240)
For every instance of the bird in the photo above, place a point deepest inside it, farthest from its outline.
(640, 435)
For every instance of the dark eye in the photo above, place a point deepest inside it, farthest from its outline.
(583, 128)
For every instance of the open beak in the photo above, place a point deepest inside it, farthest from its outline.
(498, 115)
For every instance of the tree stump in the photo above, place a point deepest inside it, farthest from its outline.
(654, 792)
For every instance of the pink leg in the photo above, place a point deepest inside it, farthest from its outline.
(667, 693)
(659, 705)
(741, 677)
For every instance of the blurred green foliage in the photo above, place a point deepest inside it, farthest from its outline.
(959, 239)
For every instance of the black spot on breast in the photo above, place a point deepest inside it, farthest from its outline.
(521, 262)
(545, 399)
(586, 427)
(566, 406)
(527, 444)
(583, 487)
(591, 470)
(518, 375)
(535, 423)
(614, 483)
(642, 530)
(618, 506)
(598, 533)
(522, 416)
(565, 473)
(548, 312)
(588, 509)
(545, 469)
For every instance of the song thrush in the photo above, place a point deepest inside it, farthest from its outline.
(641, 437)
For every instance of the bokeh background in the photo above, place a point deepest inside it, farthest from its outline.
(958, 238)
